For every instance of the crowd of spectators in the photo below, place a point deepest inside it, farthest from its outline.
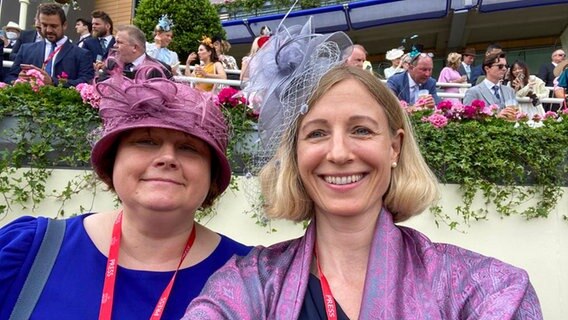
(48, 50)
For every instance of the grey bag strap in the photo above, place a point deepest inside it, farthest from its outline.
(40, 270)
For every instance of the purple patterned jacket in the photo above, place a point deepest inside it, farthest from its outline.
(408, 277)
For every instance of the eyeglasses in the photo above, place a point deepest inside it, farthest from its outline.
(500, 66)
(560, 54)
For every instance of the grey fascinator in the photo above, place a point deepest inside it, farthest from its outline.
(283, 75)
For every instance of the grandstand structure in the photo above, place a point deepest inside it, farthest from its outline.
(527, 29)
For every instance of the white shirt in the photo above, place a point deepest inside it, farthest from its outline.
(413, 87)
(47, 52)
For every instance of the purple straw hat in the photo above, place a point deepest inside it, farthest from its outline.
(158, 103)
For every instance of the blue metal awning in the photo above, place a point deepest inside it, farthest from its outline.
(345, 17)
(497, 5)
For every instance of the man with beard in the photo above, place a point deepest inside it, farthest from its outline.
(55, 57)
(102, 40)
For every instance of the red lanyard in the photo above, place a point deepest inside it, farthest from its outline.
(105, 312)
(328, 301)
(51, 55)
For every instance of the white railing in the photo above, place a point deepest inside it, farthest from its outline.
(192, 80)
(453, 85)
(237, 83)
(227, 71)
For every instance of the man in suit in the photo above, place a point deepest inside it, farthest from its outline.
(27, 36)
(546, 72)
(357, 57)
(83, 29)
(102, 40)
(490, 90)
(130, 48)
(466, 66)
(407, 85)
(55, 55)
(477, 71)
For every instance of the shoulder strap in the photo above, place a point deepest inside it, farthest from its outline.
(40, 270)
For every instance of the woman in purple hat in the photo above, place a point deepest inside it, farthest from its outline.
(162, 151)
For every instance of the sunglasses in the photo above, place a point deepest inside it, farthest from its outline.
(422, 55)
(500, 66)
(560, 54)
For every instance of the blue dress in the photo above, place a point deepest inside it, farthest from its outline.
(73, 290)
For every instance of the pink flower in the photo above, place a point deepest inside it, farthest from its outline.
(469, 112)
(478, 104)
(489, 110)
(565, 111)
(89, 94)
(445, 105)
(231, 97)
(63, 75)
(550, 115)
(438, 120)
(2, 85)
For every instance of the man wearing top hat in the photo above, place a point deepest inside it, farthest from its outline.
(468, 57)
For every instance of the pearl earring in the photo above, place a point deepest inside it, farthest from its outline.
(394, 164)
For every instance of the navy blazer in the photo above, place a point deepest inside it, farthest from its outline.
(27, 36)
(476, 72)
(546, 74)
(462, 72)
(94, 46)
(398, 83)
(76, 62)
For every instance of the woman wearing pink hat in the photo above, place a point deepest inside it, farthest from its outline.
(162, 151)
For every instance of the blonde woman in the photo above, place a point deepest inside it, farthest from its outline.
(450, 73)
(209, 66)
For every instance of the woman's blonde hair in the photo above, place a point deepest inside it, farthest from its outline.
(453, 60)
(413, 186)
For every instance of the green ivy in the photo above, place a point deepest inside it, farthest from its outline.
(42, 130)
(504, 163)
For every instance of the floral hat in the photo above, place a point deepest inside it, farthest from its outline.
(158, 103)
(165, 23)
(284, 74)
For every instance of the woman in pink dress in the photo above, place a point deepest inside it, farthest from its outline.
(450, 74)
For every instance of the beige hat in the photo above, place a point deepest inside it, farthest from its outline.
(394, 54)
(12, 25)
(560, 67)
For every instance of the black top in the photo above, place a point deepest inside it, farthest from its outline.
(313, 307)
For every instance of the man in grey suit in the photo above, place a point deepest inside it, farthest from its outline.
(490, 89)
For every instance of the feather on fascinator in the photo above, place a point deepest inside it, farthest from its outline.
(165, 23)
(283, 75)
